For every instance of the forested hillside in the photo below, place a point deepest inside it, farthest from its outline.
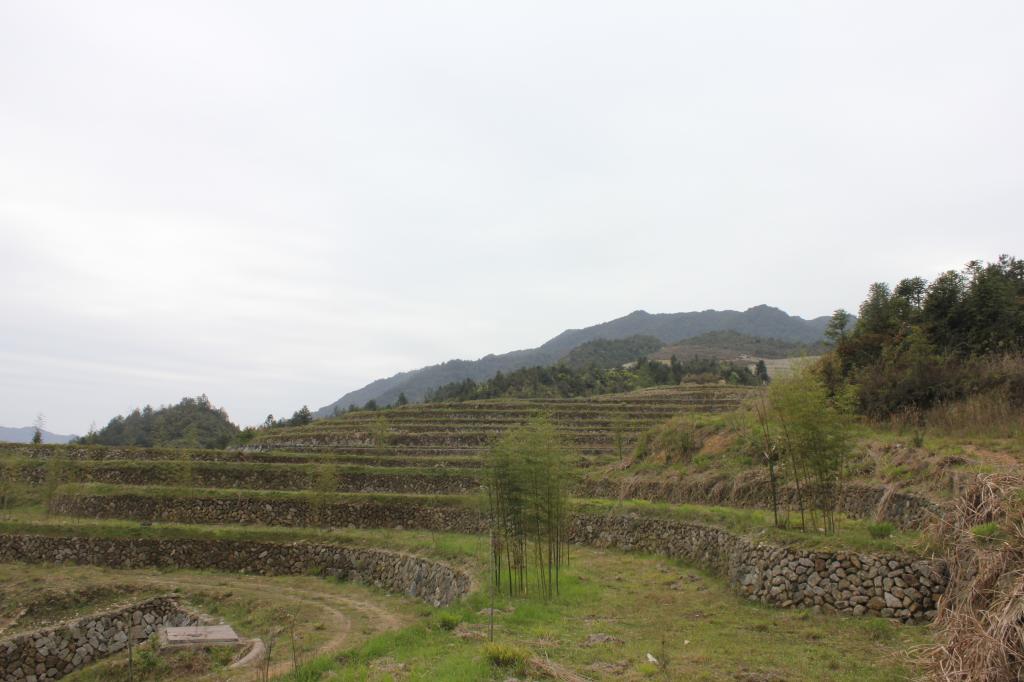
(730, 345)
(607, 353)
(192, 423)
(761, 321)
(562, 381)
(922, 346)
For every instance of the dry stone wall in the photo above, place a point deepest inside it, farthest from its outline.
(903, 510)
(257, 454)
(275, 511)
(891, 586)
(432, 581)
(846, 582)
(250, 477)
(52, 653)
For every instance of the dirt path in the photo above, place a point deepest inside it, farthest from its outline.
(335, 606)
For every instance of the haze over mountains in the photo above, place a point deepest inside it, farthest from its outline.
(762, 321)
(23, 434)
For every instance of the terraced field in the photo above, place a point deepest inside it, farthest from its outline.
(365, 535)
(602, 425)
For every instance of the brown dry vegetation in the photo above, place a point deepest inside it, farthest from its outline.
(980, 623)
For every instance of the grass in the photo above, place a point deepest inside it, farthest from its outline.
(692, 623)
(451, 547)
(852, 534)
(881, 530)
(167, 469)
(988, 533)
(317, 611)
(96, 453)
(160, 491)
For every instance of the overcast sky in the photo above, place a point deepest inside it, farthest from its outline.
(274, 203)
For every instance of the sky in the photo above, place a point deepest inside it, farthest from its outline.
(275, 203)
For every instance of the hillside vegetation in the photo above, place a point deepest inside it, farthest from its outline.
(192, 423)
(762, 321)
(945, 353)
(610, 353)
(731, 345)
(562, 381)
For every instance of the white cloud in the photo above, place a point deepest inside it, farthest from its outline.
(275, 205)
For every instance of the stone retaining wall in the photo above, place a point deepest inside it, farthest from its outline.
(892, 586)
(275, 511)
(257, 454)
(751, 490)
(432, 581)
(51, 653)
(250, 477)
(903, 510)
(847, 582)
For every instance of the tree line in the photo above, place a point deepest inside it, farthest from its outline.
(563, 381)
(192, 423)
(923, 343)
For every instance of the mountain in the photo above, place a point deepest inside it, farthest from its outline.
(606, 354)
(730, 345)
(762, 320)
(24, 434)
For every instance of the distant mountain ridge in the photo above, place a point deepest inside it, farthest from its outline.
(23, 434)
(762, 320)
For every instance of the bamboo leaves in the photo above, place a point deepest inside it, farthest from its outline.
(527, 494)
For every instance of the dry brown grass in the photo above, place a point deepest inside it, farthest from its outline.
(980, 622)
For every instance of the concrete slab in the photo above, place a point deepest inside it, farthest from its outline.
(199, 635)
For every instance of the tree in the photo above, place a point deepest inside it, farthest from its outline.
(301, 417)
(402, 400)
(814, 432)
(876, 312)
(526, 477)
(37, 434)
(761, 372)
(836, 329)
(193, 422)
(677, 369)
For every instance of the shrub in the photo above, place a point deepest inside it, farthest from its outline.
(505, 655)
(880, 531)
(677, 440)
(987, 532)
(148, 661)
(448, 621)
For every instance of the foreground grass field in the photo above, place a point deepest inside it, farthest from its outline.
(318, 614)
(612, 611)
(615, 609)
(692, 623)
(618, 616)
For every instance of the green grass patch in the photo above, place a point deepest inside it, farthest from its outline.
(853, 534)
(988, 533)
(695, 626)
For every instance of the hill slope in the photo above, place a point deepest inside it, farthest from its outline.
(192, 423)
(730, 345)
(608, 354)
(761, 320)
